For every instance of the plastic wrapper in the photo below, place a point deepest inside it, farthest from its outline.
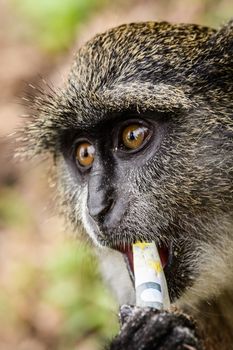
(150, 282)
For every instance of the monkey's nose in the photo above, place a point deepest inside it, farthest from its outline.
(98, 209)
(100, 196)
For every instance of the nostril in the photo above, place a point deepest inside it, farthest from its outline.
(98, 211)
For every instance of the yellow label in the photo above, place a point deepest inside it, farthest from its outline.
(142, 245)
(155, 265)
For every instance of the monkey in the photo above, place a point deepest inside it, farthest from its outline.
(141, 140)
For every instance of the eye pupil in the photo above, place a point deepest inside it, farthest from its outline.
(132, 136)
(85, 152)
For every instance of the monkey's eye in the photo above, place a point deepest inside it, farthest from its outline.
(84, 154)
(133, 137)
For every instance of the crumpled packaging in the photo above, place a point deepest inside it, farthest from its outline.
(150, 282)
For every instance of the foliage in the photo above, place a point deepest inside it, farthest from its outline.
(54, 22)
(77, 289)
(50, 286)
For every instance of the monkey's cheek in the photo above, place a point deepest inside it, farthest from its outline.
(180, 276)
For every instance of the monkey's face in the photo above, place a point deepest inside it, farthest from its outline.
(143, 177)
(144, 151)
(129, 174)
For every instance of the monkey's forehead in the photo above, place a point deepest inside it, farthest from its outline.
(149, 65)
(152, 52)
(142, 66)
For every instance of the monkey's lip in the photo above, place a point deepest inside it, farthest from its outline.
(127, 252)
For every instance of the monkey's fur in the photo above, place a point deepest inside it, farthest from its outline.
(183, 193)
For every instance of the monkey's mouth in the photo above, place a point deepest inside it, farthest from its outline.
(165, 254)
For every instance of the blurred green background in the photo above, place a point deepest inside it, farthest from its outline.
(51, 292)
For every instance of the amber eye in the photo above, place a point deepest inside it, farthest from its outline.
(85, 153)
(133, 136)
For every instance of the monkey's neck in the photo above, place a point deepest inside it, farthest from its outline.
(215, 319)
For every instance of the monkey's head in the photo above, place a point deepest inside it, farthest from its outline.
(142, 141)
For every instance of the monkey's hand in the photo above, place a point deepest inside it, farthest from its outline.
(149, 329)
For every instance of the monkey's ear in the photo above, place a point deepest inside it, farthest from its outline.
(215, 63)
